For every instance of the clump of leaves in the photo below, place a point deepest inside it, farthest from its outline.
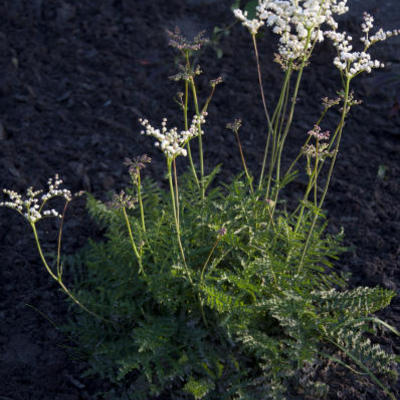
(247, 321)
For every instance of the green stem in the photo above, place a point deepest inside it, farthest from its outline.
(208, 259)
(264, 103)
(328, 180)
(176, 217)
(244, 161)
(186, 123)
(176, 191)
(134, 247)
(316, 173)
(178, 233)
(281, 141)
(260, 84)
(58, 279)
(59, 266)
(196, 106)
(276, 118)
(207, 103)
(311, 183)
(292, 165)
(139, 187)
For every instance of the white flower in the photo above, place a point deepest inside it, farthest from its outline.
(351, 62)
(298, 22)
(29, 206)
(379, 36)
(253, 25)
(170, 141)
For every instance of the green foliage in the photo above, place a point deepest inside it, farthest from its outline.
(249, 322)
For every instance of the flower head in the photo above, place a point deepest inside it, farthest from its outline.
(122, 200)
(297, 22)
(253, 25)
(320, 152)
(170, 141)
(31, 206)
(328, 103)
(177, 40)
(352, 63)
(316, 132)
(235, 125)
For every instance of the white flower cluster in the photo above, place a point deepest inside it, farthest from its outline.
(253, 25)
(170, 141)
(54, 191)
(31, 206)
(379, 36)
(351, 62)
(298, 22)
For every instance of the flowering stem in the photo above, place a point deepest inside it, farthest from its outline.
(196, 106)
(244, 161)
(270, 128)
(59, 267)
(208, 99)
(278, 116)
(178, 233)
(312, 182)
(185, 118)
(176, 191)
(134, 247)
(58, 278)
(316, 173)
(139, 188)
(292, 165)
(208, 259)
(328, 180)
(281, 141)
(253, 36)
(176, 217)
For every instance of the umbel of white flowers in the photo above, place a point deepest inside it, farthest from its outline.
(31, 206)
(298, 22)
(171, 142)
(353, 63)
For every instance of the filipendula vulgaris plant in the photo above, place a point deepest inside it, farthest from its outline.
(218, 291)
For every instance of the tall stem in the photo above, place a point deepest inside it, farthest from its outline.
(176, 191)
(176, 211)
(260, 83)
(139, 187)
(278, 116)
(133, 244)
(264, 103)
(58, 279)
(59, 266)
(186, 123)
(208, 259)
(178, 234)
(249, 179)
(292, 165)
(311, 183)
(281, 141)
(196, 106)
(328, 180)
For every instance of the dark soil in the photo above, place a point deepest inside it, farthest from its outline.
(75, 77)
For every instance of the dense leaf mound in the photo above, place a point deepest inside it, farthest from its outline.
(239, 321)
